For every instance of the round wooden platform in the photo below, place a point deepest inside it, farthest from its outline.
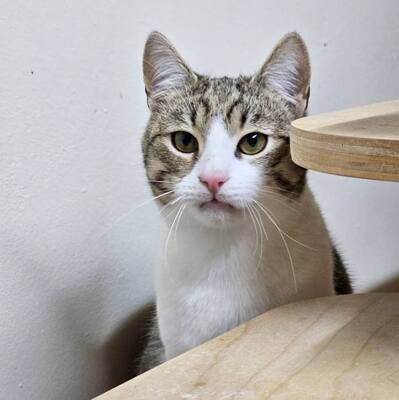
(361, 142)
(341, 347)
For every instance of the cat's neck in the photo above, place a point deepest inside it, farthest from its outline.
(265, 231)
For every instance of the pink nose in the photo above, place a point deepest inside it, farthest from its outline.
(213, 182)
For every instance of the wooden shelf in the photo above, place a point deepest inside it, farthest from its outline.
(341, 347)
(361, 142)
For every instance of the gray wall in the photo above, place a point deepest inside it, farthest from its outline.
(75, 258)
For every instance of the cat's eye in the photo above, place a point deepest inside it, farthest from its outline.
(253, 143)
(184, 142)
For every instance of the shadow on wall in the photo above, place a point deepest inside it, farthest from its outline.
(390, 285)
(103, 364)
(123, 348)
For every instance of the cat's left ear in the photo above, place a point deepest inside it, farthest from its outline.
(287, 71)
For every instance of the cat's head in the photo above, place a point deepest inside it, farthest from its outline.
(216, 146)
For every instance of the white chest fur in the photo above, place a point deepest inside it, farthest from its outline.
(210, 280)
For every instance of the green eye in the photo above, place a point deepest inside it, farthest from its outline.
(184, 142)
(253, 143)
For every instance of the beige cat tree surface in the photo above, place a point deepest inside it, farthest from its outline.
(362, 142)
(344, 347)
(341, 347)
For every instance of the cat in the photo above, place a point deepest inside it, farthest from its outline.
(242, 231)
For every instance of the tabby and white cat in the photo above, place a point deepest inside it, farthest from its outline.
(243, 233)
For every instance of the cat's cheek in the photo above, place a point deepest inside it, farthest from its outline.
(247, 182)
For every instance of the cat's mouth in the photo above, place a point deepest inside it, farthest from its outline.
(217, 205)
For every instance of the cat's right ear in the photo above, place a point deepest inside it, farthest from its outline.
(163, 67)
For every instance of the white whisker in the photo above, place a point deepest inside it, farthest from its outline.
(288, 235)
(243, 207)
(279, 201)
(261, 238)
(261, 222)
(161, 181)
(125, 215)
(166, 216)
(178, 219)
(167, 239)
(284, 241)
(255, 227)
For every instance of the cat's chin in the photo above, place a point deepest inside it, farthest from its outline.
(216, 214)
(217, 206)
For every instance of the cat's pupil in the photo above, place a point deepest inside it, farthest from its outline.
(252, 140)
(186, 139)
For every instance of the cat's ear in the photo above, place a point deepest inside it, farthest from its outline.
(287, 71)
(163, 67)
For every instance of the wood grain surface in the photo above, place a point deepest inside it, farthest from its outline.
(341, 347)
(361, 142)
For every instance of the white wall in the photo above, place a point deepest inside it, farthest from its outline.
(72, 110)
